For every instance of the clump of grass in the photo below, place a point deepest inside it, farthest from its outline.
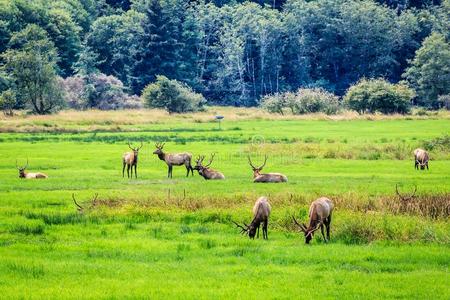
(435, 206)
(26, 270)
(28, 227)
(207, 244)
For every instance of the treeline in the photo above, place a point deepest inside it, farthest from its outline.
(231, 52)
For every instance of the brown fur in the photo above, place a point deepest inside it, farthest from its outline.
(421, 159)
(26, 175)
(205, 171)
(266, 177)
(130, 160)
(319, 215)
(261, 213)
(177, 159)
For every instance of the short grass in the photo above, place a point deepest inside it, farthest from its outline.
(160, 238)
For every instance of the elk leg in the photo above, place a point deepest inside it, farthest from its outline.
(257, 234)
(323, 234)
(128, 171)
(170, 172)
(123, 170)
(192, 170)
(187, 169)
(265, 230)
(427, 165)
(135, 171)
(328, 226)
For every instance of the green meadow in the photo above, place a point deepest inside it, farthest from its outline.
(154, 237)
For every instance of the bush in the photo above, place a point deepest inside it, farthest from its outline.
(379, 95)
(444, 101)
(302, 102)
(172, 95)
(8, 101)
(98, 91)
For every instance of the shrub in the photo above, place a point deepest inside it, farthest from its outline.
(8, 101)
(172, 95)
(379, 95)
(302, 102)
(444, 101)
(98, 91)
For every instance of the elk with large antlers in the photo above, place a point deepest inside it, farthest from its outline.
(81, 208)
(177, 159)
(26, 175)
(261, 213)
(319, 215)
(267, 177)
(205, 171)
(403, 197)
(130, 160)
(421, 159)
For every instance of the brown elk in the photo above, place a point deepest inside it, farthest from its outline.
(268, 177)
(319, 215)
(261, 213)
(421, 159)
(130, 160)
(26, 175)
(177, 159)
(205, 171)
(81, 208)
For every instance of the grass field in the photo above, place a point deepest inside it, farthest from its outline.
(154, 237)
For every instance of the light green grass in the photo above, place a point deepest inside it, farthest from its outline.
(160, 238)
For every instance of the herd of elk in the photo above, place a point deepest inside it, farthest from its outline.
(130, 160)
(261, 213)
(421, 159)
(267, 177)
(205, 171)
(177, 159)
(27, 175)
(319, 215)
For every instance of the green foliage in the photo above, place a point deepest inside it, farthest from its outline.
(429, 72)
(172, 96)
(302, 102)
(378, 95)
(31, 67)
(8, 102)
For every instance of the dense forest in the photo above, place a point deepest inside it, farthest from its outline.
(231, 52)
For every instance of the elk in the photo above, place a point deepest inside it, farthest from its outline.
(319, 215)
(261, 213)
(177, 159)
(421, 159)
(81, 208)
(205, 171)
(406, 198)
(130, 160)
(268, 177)
(26, 175)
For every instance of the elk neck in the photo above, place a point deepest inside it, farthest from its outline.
(162, 156)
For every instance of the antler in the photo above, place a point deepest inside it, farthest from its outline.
(159, 145)
(243, 229)
(405, 198)
(140, 146)
(129, 146)
(259, 168)
(265, 160)
(250, 162)
(301, 226)
(211, 160)
(79, 207)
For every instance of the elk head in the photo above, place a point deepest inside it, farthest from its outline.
(247, 229)
(199, 163)
(257, 170)
(81, 208)
(22, 169)
(135, 150)
(309, 232)
(159, 148)
(403, 197)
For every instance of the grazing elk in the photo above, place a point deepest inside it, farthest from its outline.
(268, 177)
(261, 213)
(177, 159)
(26, 175)
(319, 215)
(421, 159)
(205, 171)
(130, 160)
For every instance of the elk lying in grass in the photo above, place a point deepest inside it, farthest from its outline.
(130, 160)
(319, 215)
(268, 177)
(81, 208)
(421, 159)
(261, 213)
(177, 159)
(205, 171)
(26, 175)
